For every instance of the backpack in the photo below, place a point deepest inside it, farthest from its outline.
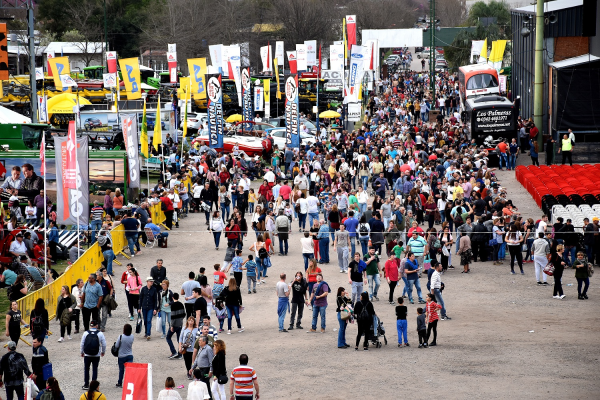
(458, 221)
(37, 325)
(47, 395)
(91, 345)
(364, 316)
(363, 230)
(263, 253)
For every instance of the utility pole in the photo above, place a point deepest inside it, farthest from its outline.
(538, 92)
(33, 83)
(432, 26)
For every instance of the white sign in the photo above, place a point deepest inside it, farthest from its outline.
(333, 79)
(279, 52)
(311, 52)
(43, 109)
(67, 81)
(265, 55)
(502, 81)
(301, 57)
(110, 80)
(357, 61)
(259, 95)
(39, 73)
(216, 57)
(172, 48)
(336, 55)
(354, 110)
(111, 55)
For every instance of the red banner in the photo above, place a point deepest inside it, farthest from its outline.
(70, 169)
(43, 156)
(172, 60)
(292, 61)
(137, 384)
(111, 61)
(49, 56)
(351, 27)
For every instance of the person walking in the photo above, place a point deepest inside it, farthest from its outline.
(125, 345)
(299, 299)
(283, 226)
(14, 320)
(514, 241)
(282, 289)
(92, 347)
(186, 343)
(411, 268)
(582, 275)
(233, 301)
(187, 290)
(219, 368)
(148, 305)
(373, 273)
(203, 362)
(12, 367)
(52, 388)
(107, 291)
(436, 289)
(323, 237)
(556, 258)
(165, 299)
(342, 242)
(319, 301)
(308, 248)
(133, 287)
(364, 312)
(243, 381)
(540, 250)
(38, 360)
(432, 317)
(465, 252)
(177, 317)
(344, 306)
(391, 275)
(357, 276)
(217, 226)
(91, 299)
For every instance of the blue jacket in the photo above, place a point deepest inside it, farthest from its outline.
(323, 232)
(53, 235)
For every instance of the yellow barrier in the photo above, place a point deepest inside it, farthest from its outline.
(157, 214)
(119, 241)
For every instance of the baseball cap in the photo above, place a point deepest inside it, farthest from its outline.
(595, 219)
(11, 345)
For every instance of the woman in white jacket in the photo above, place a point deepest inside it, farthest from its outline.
(216, 227)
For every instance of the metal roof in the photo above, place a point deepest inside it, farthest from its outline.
(570, 62)
(551, 6)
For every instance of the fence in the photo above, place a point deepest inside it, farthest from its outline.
(89, 262)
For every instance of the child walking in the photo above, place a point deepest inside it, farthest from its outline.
(250, 267)
(421, 328)
(401, 324)
(432, 317)
(582, 274)
(221, 312)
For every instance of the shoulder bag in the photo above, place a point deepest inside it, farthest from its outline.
(114, 350)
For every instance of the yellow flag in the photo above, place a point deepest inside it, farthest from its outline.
(484, 51)
(130, 69)
(198, 70)
(497, 53)
(267, 86)
(157, 138)
(185, 116)
(59, 66)
(144, 133)
(345, 40)
(275, 61)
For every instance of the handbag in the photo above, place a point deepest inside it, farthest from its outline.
(426, 263)
(222, 379)
(493, 242)
(549, 269)
(445, 251)
(114, 350)
(138, 324)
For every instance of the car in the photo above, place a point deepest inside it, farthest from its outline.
(279, 122)
(90, 123)
(278, 135)
(397, 50)
(195, 120)
(257, 128)
(392, 59)
(441, 65)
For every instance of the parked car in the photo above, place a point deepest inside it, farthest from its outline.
(392, 59)
(278, 135)
(90, 123)
(195, 120)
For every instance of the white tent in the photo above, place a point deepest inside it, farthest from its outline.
(10, 117)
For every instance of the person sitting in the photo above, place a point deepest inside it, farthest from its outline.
(161, 236)
(18, 247)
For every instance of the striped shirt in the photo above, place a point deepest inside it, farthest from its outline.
(97, 213)
(431, 309)
(244, 377)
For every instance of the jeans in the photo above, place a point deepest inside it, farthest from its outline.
(512, 161)
(440, 300)
(502, 250)
(570, 251)
(147, 315)
(386, 221)
(18, 390)
(402, 327)
(307, 257)
(352, 245)
(357, 289)
(206, 213)
(312, 217)
(176, 332)
(251, 208)
(283, 243)
(342, 253)
(585, 282)
(324, 249)
(224, 209)
(302, 221)
(122, 361)
(373, 279)
(417, 284)
(282, 306)
(405, 290)
(87, 360)
(231, 311)
(503, 160)
(365, 181)
(96, 226)
(540, 262)
(529, 244)
(109, 256)
(363, 208)
(316, 311)
(166, 321)
(217, 238)
(131, 238)
(364, 244)
(342, 331)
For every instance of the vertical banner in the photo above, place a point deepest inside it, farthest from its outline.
(130, 70)
(110, 80)
(336, 57)
(311, 52)
(292, 112)
(357, 59)
(247, 109)
(49, 56)
(4, 52)
(172, 63)
(43, 156)
(351, 27)
(72, 203)
(172, 47)
(216, 56)
(197, 67)
(59, 66)
(267, 89)
(144, 133)
(354, 112)
(39, 73)
(279, 52)
(234, 67)
(215, 110)
(301, 57)
(43, 108)
(258, 98)
(157, 133)
(278, 92)
(265, 55)
(225, 62)
(292, 61)
(130, 137)
(137, 383)
(111, 61)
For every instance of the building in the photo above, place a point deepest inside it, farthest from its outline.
(81, 54)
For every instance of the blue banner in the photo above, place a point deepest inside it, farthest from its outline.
(215, 110)
(292, 112)
(247, 96)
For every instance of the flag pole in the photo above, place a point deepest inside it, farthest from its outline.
(45, 210)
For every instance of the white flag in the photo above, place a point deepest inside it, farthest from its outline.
(301, 57)
(67, 81)
(336, 57)
(311, 52)
(258, 98)
(266, 57)
(216, 55)
(110, 80)
(357, 59)
(39, 73)
(279, 52)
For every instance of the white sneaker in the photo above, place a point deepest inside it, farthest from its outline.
(562, 297)
(263, 281)
(68, 337)
(61, 340)
(241, 329)
(229, 332)
(258, 283)
(555, 297)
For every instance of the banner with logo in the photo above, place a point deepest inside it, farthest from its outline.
(72, 192)
(110, 80)
(144, 133)
(39, 73)
(247, 109)
(137, 383)
(215, 110)
(280, 52)
(292, 112)
(336, 57)
(301, 57)
(311, 52)
(43, 108)
(259, 94)
(351, 28)
(197, 67)
(354, 112)
(111, 61)
(278, 91)
(357, 58)
(172, 63)
(130, 137)
(216, 56)
(67, 81)
(130, 70)
(267, 90)
(265, 56)
(292, 61)
(333, 79)
(50, 55)
(234, 66)
(59, 66)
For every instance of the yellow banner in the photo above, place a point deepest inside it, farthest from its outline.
(278, 94)
(484, 51)
(144, 133)
(157, 136)
(59, 66)
(130, 69)
(345, 40)
(198, 70)
(267, 86)
(497, 53)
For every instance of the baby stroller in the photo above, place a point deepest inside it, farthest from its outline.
(377, 332)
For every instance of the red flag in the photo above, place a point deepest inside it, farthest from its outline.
(2, 169)
(137, 381)
(268, 56)
(351, 27)
(43, 156)
(70, 170)
(320, 60)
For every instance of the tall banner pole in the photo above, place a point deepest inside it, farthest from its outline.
(43, 154)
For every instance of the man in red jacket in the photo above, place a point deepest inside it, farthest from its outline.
(168, 209)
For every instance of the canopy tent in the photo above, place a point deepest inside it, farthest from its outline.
(11, 117)
(64, 103)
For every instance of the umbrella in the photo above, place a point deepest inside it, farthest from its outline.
(64, 103)
(234, 118)
(405, 167)
(329, 114)
(433, 157)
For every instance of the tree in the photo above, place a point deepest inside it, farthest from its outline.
(307, 20)
(494, 9)
(383, 14)
(89, 50)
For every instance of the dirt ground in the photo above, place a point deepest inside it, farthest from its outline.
(508, 338)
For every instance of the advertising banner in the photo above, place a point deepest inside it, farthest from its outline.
(72, 193)
(130, 70)
(311, 52)
(110, 80)
(130, 137)
(111, 61)
(43, 108)
(67, 81)
(247, 109)
(215, 110)
(172, 62)
(216, 56)
(292, 61)
(144, 133)
(490, 120)
(234, 67)
(351, 27)
(50, 55)
(336, 57)
(357, 58)
(39, 73)
(292, 112)
(265, 56)
(258, 98)
(279, 51)
(225, 62)
(58, 67)
(197, 67)
(333, 79)
(301, 57)
(267, 89)
(354, 112)
(137, 383)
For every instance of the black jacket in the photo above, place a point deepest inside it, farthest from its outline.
(218, 364)
(158, 275)
(148, 298)
(568, 235)
(480, 233)
(358, 309)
